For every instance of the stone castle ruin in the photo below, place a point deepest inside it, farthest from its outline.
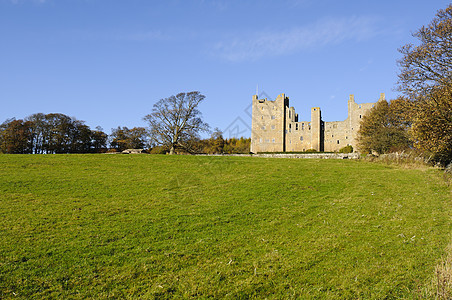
(276, 127)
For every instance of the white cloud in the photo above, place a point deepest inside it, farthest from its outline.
(276, 43)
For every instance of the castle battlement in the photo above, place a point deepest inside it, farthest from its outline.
(276, 127)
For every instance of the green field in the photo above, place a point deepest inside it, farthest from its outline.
(150, 226)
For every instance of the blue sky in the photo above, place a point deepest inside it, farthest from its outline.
(108, 61)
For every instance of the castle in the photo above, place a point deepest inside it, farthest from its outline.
(276, 128)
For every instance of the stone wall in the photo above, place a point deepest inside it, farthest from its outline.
(311, 155)
(295, 155)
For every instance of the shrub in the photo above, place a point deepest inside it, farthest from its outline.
(346, 149)
(158, 150)
(311, 151)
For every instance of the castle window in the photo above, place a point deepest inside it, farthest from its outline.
(273, 127)
(273, 117)
(296, 126)
(338, 141)
(360, 116)
(360, 106)
(262, 108)
(263, 127)
(273, 140)
(302, 126)
(289, 114)
(290, 126)
(301, 138)
(346, 137)
(332, 135)
(262, 117)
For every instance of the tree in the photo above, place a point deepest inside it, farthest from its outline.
(15, 137)
(235, 145)
(216, 142)
(138, 138)
(39, 132)
(51, 133)
(430, 63)
(384, 128)
(426, 79)
(432, 126)
(98, 139)
(125, 138)
(57, 133)
(118, 138)
(175, 122)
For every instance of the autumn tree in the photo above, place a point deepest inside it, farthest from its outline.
(216, 142)
(385, 127)
(237, 145)
(175, 122)
(426, 79)
(432, 123)
(15, 137)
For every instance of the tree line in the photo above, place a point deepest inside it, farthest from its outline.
(49, 134)
(57, 133)
(421, 117)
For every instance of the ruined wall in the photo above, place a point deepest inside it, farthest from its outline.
(356, 112)
(298, 136)
(336, 135)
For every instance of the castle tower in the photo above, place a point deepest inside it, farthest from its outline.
(316, 127)
(254, 118)
(268, 124)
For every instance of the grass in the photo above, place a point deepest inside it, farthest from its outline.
(150, 226)
(441, 287)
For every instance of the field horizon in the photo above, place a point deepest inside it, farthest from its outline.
(159, 226)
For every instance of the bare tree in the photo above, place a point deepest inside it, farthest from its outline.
(175, 122)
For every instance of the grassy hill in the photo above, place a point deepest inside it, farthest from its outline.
(149, 226)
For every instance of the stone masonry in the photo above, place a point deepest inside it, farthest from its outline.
(276, 128)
